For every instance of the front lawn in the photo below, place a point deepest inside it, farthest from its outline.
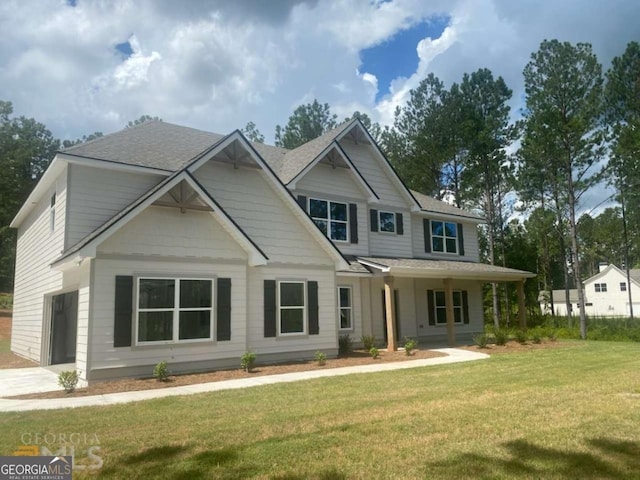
(569, 412)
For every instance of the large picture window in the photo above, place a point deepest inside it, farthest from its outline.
(291, 307)
(444, 237)
(173, 310)
(441, 309)
(345, 308)
(331, 217)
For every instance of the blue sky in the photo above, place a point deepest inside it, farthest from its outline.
(81, 66)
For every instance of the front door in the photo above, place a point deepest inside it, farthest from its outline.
(395, 314)
(64, 327)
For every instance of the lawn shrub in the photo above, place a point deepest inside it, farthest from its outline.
(502, 337)
(374, 352)
(481, 340)
(409, 345)
(68, 380)
(248, 360)
(320, 357)
(368, 342)
(161, 371)
(521, 336)
(345, 344)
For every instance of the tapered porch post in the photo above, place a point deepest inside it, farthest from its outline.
(448, 301)
(389, 301)
(522, 312)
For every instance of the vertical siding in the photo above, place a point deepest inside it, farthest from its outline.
(97, 194)
(36, 248)
(327, 339)
(391, 244)
(168, 232)
(104, 355)
(247, 196)
(470, 233)
(364, 158)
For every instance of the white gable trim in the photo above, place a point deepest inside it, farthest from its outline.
(256, 256)
(360, 180)
(606, 270)
(391, 173)
(281, 190)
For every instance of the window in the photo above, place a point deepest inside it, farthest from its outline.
(291, 307)
(344, 308)
(331, 217)
(600, 287)
(387, 222)
(623, 286)
(441, 310)
(173, 310)
(444, 237)
(52, 213)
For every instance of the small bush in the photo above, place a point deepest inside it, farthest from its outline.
(481, 340)
(161, 371)
(345, 345)
(502, 337)
(521, 336)
(68, 380)
(552, 336)
(368, 342)
(247, 361)
(536, 337)
(320, 357)
(409, 345)
(374, 352)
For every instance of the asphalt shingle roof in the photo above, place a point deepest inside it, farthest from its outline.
(432, 205)
(438, 265)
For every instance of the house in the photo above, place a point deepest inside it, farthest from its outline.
(161, 242)
(606, 294)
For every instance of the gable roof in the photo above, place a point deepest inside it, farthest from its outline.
(634, 273)
(430, 204)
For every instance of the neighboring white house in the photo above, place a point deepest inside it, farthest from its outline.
(161, 242)
(606, 294)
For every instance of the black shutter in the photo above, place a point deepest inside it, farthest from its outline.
(426, 224)
(431, 307)
(460, 240)
(399, 224)
(353, 223)
(223, 307)
(123, 311)
(302, 201)
(312, 308)
(374, 220)
(465, 306)
(269, 308)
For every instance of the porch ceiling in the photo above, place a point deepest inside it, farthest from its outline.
(423, 268)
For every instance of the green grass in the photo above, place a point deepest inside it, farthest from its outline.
(560, 413)
(6, 301)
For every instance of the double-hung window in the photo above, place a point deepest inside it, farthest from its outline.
(444, 237)
(331, 217)
(600, 287)
(386, 222)
(174, 310)
(291, 306)
(441, 309)
(623, 286)
(345, 308)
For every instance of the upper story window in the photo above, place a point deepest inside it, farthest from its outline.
(600, 287)
(174, 310)
(387, 222)
(331, 217)
(623, 286)
(444, 237)
(52, 213)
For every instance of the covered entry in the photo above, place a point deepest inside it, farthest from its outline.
(64, 327)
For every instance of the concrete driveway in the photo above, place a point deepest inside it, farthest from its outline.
(20, 381)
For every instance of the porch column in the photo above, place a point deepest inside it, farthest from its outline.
(392, 344)
(522, 312)
(448, 301)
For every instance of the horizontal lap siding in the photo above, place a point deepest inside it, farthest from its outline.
(326, 339)
(96, 195)
(168, 232)
(104, 355)
(470, 234)
(356, 307)
(391, 244)
(36, 248)
(406, 308)
(247, 197)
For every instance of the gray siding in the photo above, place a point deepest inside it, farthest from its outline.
(470, 233)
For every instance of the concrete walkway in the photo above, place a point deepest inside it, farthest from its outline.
(454, 355)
